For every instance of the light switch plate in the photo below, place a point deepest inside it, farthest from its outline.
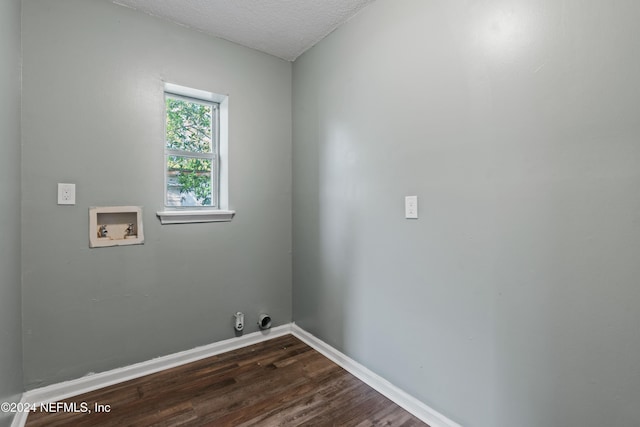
(411, 207)
(66, 194)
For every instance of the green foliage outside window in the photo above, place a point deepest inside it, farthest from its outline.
(188, 129)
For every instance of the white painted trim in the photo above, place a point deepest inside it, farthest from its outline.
(19, 418)
(60, 391)
(187, 217)
(203, 95)
(375, 381)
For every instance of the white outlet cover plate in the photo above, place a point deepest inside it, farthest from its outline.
(66, 194)
(411, 207)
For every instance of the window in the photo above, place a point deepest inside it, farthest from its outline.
(191, 148)
(195, 156)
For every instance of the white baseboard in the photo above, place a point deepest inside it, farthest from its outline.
(60, 391)
(375, 381)
(15, 420)
(20, 419)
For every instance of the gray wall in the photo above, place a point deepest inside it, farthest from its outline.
(514, 299)
(93, 115)
(10, 304)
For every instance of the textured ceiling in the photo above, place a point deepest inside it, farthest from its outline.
(283, 28)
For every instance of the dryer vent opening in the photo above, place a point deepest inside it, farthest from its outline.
(264, 321)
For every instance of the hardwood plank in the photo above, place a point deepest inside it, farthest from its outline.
(280, 382)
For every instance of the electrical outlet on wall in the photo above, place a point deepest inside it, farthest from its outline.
(411, 207)
(66, 194)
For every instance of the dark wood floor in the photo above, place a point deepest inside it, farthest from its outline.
(280, 382)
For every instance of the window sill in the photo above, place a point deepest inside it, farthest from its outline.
(193, 216)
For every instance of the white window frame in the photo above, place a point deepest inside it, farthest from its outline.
(220, 186)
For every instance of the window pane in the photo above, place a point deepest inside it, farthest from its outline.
(189, 181)
(188, 125)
